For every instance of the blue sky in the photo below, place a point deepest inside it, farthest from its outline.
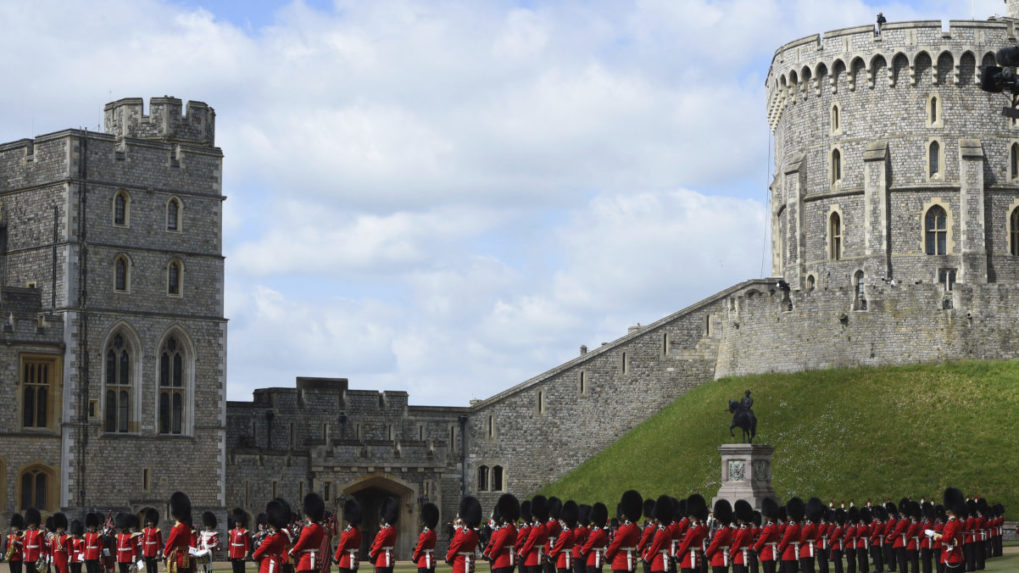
(448, 197)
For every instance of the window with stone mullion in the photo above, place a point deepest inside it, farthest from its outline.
(171, 389)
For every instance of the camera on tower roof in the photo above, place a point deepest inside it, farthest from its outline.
(1003, 77)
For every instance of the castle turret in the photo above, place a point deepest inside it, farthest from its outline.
(1013, 8)
(126, 118)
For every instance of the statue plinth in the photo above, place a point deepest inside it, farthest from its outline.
(746, 473)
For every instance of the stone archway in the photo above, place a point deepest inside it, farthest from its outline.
(369, 490)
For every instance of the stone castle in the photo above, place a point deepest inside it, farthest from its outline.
(895, 239)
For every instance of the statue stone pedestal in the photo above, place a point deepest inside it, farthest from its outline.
(746, 473)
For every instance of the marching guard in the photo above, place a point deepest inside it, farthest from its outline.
(503, 547)
(580, 534)
(424, 551)
(238, 541)
(526, 517)
(270, 552)
(561, 554)
(60, 543)
(176, 552)
(152, 541)
(717, 552)
(739, 549)
(766, 546)
(622, 550)
(13, 551)
(305, 552)
(347, 551)
(597, 542)
(532, 553)
(381, 552)
(463, 546)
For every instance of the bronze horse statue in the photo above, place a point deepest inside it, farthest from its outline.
(743, 418)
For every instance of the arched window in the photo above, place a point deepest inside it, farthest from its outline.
(39, 379)
(836, 166)
(121, 209)
(1013, 162)
(482, 478)
(174, 278)
(810, 283)
(934, 159)
(121, 274)
(936, 231)
(835, 237)
(496, 478)
(934, 116)
(541, 401)
(934, 110)
(1013, 232)
(117, 415)
(174, 212)
(36, 487)
(860, 301)
(172, 387)
(836, 126)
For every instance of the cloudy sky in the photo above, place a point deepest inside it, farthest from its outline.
(448, 197)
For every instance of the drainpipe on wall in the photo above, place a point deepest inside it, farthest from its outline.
(463, 455)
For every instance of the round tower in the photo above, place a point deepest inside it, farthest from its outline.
(890, 162)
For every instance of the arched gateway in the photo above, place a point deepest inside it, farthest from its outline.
(369, 490)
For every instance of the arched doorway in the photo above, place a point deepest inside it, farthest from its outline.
(369, 491)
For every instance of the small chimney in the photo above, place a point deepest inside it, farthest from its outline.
(583, 349)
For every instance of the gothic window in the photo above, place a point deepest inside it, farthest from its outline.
(491, 426)
(174, 278)
(482, 478)
(174, 212)
(496, 478)
(121, 274)
(934, 159)
(1013, 157)
(835, 237)
(934, 110)
(934, 115)
(811, 282)
(936, 231)
(121, 209)
(117, 415)
(946, 277)
(836, 166)
(860, 301)
(1013, 232)
(35, 485)
(541, 401)
(836, 126)
(37, 381)
(172, 387)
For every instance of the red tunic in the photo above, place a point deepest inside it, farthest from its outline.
(381, 552)
(502, 551)
(897, 537)
(152, 542)
(562, 552)
(77, 550)
(808, 539)
(622, 551)
(270, 552)
(657, 549)
(59, 548)
(534, 546)
(15, 539)
(951, 542)
(862, 535)
(739, 548)
(718, 550)
(348, 549)
(177, 544)
(646, 535)
(594, 547)
(522, 534)
(877, 532)
(790, 540)
(239, 543)
(93, 545)
(305, 551)
(580, 534)
(913, 536)
(461, 550)
(691, 544)
(32, 545)
(125, 548)
(423, 555)
(553, 528)
(767, 542)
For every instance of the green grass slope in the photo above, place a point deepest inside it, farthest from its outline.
(845, 434)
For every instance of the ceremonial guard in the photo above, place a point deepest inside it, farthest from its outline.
(717, 552)
(270, 552)
(677, 529)
(877, 535)
(863, 540)
(951, 537)
(553, 528)
(657, 550)
(913, 534)
(689, 551)
(849, 538)
(533, 550)
(13, 548)
(152, 541)
(597, 542)
(125, 543)
(561, 554)
(789, 546)
(503, 548)
(304, 553)
(526, 517)
(809, 533)
(77, 546)
(93, 543)
(238, 541)
(887, 546)
(424, 550)
(647, 532)
(207, 542)
(32, 541)
(580, 534)
(823, 545)
(60, 543)
(897, 535)
(465, 541)
(739, 548)
(175, 552)
(622, 550)
(381, 552)
(766, 545)
(347, 551)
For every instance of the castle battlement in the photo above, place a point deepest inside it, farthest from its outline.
(166, 120)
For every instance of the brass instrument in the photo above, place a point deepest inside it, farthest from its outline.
(12, 547)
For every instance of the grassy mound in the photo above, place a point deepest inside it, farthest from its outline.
(845, 434)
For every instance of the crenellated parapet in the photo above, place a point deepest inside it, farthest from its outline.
(167, 120)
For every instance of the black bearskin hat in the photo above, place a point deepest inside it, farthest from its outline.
(939, 511)
(696, 506)
(352, 511)
(649, 509)
(389, 511)
(769, 508)
(277, 514)
(631, 505)
(915, 511)
(865, 516)
(539, 508)
(927, 509)
(723, 511)
(77, 529)
(795, 508)
(314, 507)
(854, 514)
(599, 514)
(180, 507)
(570, 513)
(815, 509)
(508, 507)
(555, 507)
(840, 516)
(584, 515)
(430, 515)
(152, 516)
(891, 508)
(470, 511)
(757, 518)
(122, 521)
(91, 520)
(32, 517)
(954, 501)
(238, 515)
(880, 512)
(49, 524)
(261, 519)
(59, 521)
(209, 519)
(286, 508)
(744, 511)
(525, 511)
(17, 521)
(662, 509)
(136, 522)
(678, 509)
(782, 514)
